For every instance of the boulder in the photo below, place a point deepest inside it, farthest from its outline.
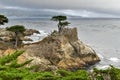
(5, 33)
(30, 32)
(6, 39)
(9, 36)
(26, 39)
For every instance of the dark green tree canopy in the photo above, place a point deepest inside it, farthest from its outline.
(61, 22)
(3, 19)
(64, 23)
(17, 28)
(59, 18)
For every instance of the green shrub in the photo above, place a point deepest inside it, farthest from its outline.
(11, 70)
(77, 75)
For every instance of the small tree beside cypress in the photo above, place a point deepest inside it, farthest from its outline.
(17, 29)
(3, 19)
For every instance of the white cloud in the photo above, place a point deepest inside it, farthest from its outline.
(99, 4)
(69, 12)
(82, 13)
(86, 8)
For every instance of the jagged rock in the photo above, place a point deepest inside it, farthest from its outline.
(4, 45)
(58, 51)
(26, 39)
(31, 31)
(63, 51)
(5, 33)
(8, 35)
(6, 39)
(8, 51)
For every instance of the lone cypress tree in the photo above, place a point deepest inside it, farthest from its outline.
(3, 19)
(17, 29)
(61, 22)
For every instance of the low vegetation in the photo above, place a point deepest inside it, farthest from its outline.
(11, 70)
(3, 19)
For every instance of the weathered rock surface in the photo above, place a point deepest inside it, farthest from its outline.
(8, 36)
(31, 31)
(59, 51)
(64, 51)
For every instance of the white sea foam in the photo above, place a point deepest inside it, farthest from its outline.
(100, 56)
(37, 37)
(103, 67)
(114, 59)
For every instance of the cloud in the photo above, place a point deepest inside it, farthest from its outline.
(51, 12)
(87, 14)
(69, 4)
(84, 13)
(86, 8)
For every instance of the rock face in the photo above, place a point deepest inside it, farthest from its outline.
(31, 31)
(58, 51)
(63, 51)
(8, 36)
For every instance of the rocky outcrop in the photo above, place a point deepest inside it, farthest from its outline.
(64, 51)
(58, 51)
(8, 35)
(31, 31)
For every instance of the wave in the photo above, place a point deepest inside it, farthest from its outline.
(100, 56)
(103, 67)
(114, 59)
(36, 37)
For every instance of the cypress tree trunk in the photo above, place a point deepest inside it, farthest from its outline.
(59, 27)
(16, 40)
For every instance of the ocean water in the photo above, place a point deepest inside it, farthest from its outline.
(101, 34)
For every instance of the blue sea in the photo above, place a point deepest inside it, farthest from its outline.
(102, 34)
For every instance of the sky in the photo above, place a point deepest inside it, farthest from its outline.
(85, 8)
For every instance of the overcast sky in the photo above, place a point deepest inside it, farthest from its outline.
(110, 7)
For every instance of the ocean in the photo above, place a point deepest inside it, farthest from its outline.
(101, 34)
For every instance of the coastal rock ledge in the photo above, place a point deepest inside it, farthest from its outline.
(60, 51)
